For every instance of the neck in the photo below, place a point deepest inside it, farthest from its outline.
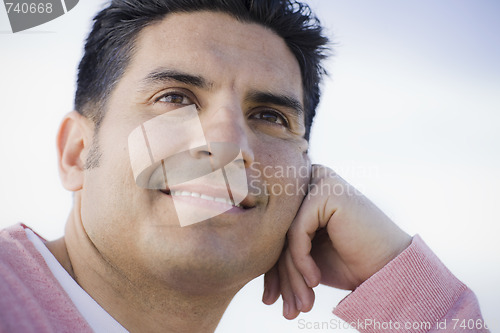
(140, 305)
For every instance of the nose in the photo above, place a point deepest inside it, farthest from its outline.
(228, 126)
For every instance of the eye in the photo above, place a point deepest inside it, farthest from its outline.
(174, 98)
(271, 116)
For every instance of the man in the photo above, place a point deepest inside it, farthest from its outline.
(249, 72)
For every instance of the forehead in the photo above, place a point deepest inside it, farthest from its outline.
(220, 48)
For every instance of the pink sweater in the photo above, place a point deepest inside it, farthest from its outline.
(414, 289)
(413, 293)
(31, 299)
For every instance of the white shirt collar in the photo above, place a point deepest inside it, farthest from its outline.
(98, 319)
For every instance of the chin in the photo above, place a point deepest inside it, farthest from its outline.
(219, 253)
(212, 260)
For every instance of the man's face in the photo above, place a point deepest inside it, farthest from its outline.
(244, 81)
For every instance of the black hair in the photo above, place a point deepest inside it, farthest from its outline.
(110, 44)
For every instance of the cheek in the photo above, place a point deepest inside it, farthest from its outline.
(287, 190)
(109, 189)
(285, 174)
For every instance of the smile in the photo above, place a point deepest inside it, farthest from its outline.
(211, 197)
(203, 196)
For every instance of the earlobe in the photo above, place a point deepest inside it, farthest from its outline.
(73, 138)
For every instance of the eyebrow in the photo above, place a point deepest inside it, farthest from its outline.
(276, 99)
(163, 75)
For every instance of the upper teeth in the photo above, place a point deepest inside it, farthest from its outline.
(202, 196)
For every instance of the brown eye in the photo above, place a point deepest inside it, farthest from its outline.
(175, 98)
(271, 116)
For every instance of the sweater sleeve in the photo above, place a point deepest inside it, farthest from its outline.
(415, 292)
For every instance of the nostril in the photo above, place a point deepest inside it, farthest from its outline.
(200, 152)
(240, 162)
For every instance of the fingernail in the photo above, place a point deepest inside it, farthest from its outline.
(298, 303)
(286, 308)
(308, 282)
(266, 294)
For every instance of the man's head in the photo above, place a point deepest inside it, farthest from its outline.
(248, 86)
(111, 44)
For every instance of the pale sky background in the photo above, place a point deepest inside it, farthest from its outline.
(410, 115)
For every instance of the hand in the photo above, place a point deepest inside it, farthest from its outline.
(338, 238)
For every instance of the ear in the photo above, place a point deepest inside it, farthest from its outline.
(73, 140)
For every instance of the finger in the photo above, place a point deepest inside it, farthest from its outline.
(304, 296)
(271, 286)
(300, 235)
(289, 309)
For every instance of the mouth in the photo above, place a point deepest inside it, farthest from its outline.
(181, 193)
(210, 198)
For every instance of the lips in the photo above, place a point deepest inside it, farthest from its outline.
(180, 193)
(211, 194)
